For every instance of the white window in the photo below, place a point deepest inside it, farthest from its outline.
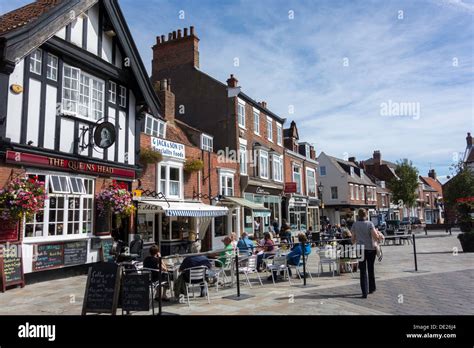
(383, 199)
(322, 171)
(206, 142)
(307, 150)
(112, 92)
(361, 173)
(123, 97)
(263, 164)
(170, 180)
(226, 186)
(279, 135)
(83, 94)
(241, 114)
(297, 178)
(362, 194)
(357, 191)
(35, 61)
(256, 122)
(243, 159)
(277, 168)
(52, 67)
(155, 127)
(351, 186)
(310, 182)
(68, 211)
(334, 194)
(352, 170)
(269, 129)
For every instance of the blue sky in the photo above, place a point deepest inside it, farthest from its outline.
(336, 63)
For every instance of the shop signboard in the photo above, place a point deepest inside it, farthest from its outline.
(168, 148)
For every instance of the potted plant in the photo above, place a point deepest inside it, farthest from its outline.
(193, 165)
(21, 198)
(465, 211)
(117, 200)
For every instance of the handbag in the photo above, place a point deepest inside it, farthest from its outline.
(378, 248)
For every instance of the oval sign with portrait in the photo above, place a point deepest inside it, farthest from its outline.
(104, 135)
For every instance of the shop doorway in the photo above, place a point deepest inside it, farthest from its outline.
(298, 219)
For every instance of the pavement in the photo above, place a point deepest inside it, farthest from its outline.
(443, 284)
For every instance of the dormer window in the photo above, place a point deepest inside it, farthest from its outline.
(206, 142)
(361, 173)
(352, 171)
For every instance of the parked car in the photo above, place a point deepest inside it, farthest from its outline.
(414, 221)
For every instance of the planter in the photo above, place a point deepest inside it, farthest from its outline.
(8, 231)
(467, 241)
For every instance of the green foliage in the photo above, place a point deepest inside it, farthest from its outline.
(193, 165)
(405, 188)
(148, 156)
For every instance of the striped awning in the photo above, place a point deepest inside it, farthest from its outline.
(190, 209)
(258, 209)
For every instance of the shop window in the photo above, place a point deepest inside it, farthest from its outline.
(59, 184)
(145, 227)
(220, 226)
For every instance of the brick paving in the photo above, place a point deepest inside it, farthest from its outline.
(444, 285)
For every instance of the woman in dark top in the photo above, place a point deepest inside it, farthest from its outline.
(152, 262)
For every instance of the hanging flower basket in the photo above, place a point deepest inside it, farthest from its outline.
(21, 198)
(115, 199)
(148, 156)
(193, 165)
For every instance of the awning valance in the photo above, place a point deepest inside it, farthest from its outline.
(192, 209)
(258, 209)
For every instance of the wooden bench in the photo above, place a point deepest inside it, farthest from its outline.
(433, 227)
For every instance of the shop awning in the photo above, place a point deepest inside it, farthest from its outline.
(191, 209)
(258, 209)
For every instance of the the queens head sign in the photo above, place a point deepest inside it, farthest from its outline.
(168, 148)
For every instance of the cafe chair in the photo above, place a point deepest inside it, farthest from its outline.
(250, 268)
(217, 271)
(136, 247)
(197, 277)
(155, 285)
(328, 256)
(278, 265)
(299, 268)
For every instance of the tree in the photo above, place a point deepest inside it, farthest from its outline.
(404, 188)
(458, 194)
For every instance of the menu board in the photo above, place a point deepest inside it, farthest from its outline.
(48, 256)
(11, 266)
(8, 231)
(75, 253)
(102, 289)
(136, 292)
(107, 245)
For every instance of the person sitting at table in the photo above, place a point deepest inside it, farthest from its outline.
(294, 256)
(152, 262)
(245, 244)
(234, 240)
(192, 262)
(266, 248)
(285, 235)
(224, 255)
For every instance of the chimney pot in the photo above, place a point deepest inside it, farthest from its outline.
(264, 104)
(191, 29)
(162, 38)
(352, 159)
(174, 35)
(469, 140)
(232, 81)
(179, 33)
(170, 36)
(158, 40)
(185, 32)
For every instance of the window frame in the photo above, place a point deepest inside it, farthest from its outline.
(160, 125)
(279, 134)
(36, 64)
(277, 160)
(321, 171)
(112, 92)
(122, 96)
(300, 172)
(332, 193)
(256, 122)
(168, 165)
(351, 188)
(269, 129)
(51, 69)
(311, 170)
(260, 165)
(207, 147)
(241, 115)
(243, 156)
(356, 188)
(224, 189)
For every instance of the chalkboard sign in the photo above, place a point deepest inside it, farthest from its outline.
(136, 292)
(75, 253)
(11, 266)
(102, 289)
(107, 245)
(102, 224)
(48, 256)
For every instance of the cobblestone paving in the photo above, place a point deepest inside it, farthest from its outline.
(443, 285)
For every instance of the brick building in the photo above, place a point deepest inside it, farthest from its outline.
(300, 204)
(242, 128)
(188, 205)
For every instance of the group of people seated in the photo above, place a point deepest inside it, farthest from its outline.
(246, 244)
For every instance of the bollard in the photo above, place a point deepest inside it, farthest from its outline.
(237, 272)
(304, 263)
(159, 286)
(414, 252)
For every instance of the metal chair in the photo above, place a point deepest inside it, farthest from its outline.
(217, 270)
(327, 257)
(250, 268)
(299, 268)
(279, 264)
(197, 277)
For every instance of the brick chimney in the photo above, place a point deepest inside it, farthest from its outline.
(377, 156)
(167, 98)
(232, 81)
(263, 104)
(352, 159)
(179, 49)
(432, 174)
(469, 140)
